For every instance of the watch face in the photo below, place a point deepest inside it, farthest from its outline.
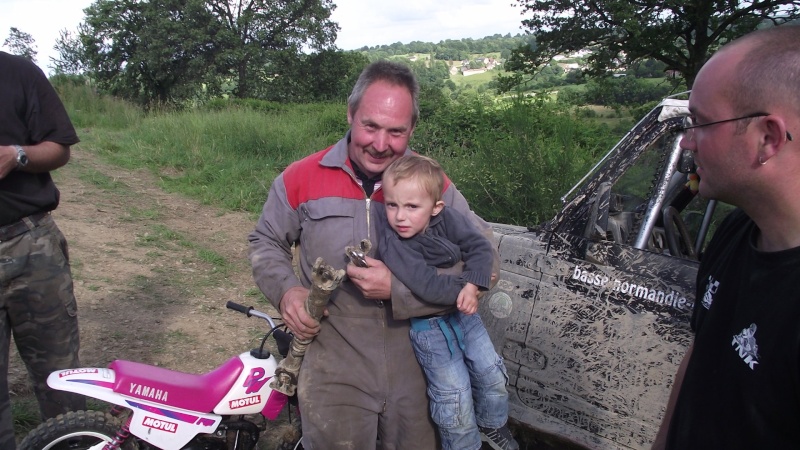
(22, 158)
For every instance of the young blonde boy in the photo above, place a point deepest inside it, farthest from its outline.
(417, 234)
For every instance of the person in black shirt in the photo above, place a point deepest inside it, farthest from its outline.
(37, 304)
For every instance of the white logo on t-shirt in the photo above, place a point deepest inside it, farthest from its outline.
(745, 344)
(711, 289)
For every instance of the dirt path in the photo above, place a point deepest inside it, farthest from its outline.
(152, 272)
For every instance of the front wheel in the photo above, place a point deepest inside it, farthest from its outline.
(75, 430)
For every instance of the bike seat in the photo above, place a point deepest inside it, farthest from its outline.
(177, 389)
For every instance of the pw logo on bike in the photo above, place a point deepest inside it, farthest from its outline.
(256, 380)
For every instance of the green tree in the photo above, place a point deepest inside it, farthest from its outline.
(71, 57)
(420, 47)
(255, 29)
(647, 68)
(433, 73)
(168, 51)
(574, 76)
(21, 43)
(623, 91)
(680, 34)
(155, 51)
(335, 73)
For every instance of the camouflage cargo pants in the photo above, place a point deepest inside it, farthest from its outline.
(38, 306)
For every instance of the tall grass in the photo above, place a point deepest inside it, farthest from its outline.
(512, 162)
(89, 109)
(228, 157)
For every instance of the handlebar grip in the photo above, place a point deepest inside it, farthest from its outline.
(237, 307)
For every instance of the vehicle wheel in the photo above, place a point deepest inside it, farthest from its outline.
(75, 430)
(679, 241)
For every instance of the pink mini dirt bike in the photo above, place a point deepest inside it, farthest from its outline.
(157, 408)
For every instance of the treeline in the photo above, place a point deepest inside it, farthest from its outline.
(452, 49)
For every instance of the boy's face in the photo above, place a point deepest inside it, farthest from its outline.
(409, 208)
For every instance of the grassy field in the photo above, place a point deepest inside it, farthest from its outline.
(475, 80)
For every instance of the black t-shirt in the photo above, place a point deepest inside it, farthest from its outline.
(30, 113)
(742, 385)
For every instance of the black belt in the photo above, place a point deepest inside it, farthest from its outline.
(12, 230)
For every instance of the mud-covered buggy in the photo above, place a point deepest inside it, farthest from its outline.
(591, 313)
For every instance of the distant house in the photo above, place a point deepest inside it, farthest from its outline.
(573, 55)
(488, 64)
(468, 72)
(580, 53)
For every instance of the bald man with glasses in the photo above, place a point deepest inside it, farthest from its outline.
(739, 383)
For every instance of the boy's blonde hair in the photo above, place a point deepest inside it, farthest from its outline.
(427, 173)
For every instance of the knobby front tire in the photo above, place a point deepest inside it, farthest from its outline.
(75, 430)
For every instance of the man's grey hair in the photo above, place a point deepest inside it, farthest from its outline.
(394, 73)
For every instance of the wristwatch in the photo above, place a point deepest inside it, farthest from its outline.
(22, 157)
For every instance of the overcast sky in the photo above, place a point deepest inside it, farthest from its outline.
(362, 22)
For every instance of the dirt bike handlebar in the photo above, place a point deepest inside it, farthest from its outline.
(250, 311)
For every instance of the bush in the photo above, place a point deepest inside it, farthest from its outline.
(571, 95)
(516, 161)
(265, 106)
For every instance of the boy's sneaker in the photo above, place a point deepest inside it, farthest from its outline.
(499, 438)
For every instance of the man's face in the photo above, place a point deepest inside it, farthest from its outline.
(380, 128)
(723, 154)
(409, 207)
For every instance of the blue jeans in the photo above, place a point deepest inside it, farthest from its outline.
(466, 377)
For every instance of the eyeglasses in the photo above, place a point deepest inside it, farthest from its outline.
(689, 125)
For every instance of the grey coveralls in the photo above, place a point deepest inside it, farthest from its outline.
(360, 379)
